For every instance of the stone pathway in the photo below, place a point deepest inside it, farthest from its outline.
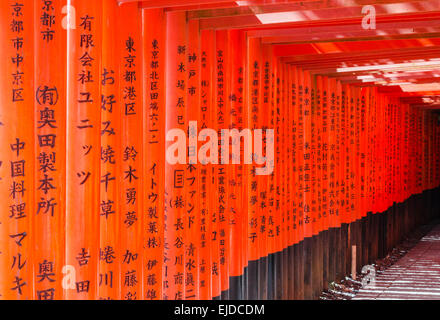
(414, 277)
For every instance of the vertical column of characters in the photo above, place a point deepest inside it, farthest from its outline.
(351, 174)
(338, 158)
(311, 97)
(254, 63)
(375, 119)
(326, 100)
(254, 79)
(406, 152)
(377, 184)
(437, 155)
(17, 146)
(421, 149)
(83, 150)
(370, 150)
(394, 155)
(245, 167)
(414, 144)
(331, 139)
(351, 150)
(363, 134)
(319, 89)
(384, 153)
(206, 103)
(50, 100)
(214, 203)
(359, 169)
(290, 162)
(388, 151)
(192, 171)
(357, 130)
(345, 185)
(271, 214)
(429, 151)
(382, 146)
(213, 199)
(286, 164)
(289, 185)
(131, 168)
(389, 132)
(412, 177)
(299, 114)
(305, 96)
(391, 129)
(392, 134)
(391, 168)
(432, 156)
(435, 152)
(288, 148)
(279, 183)
(425, 149)
(412, 151)
(236, 205)
(281, 163)
(354, 116)
(368, 143)
(293, 123)
(285, 212)
(275, 191)
(398, 156)
(154, 150)
(175, 196)
(262, 157)
(366, 151)
(379, 143)
(274, 219)
(109, 254)
(437, 160)
(278, 153)
(421, 135)
(221, 170)
(409, 148)
(314, 155)
(424, 163)
(410, 136)
(382, 142)
(317, 152)
(432, 159)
